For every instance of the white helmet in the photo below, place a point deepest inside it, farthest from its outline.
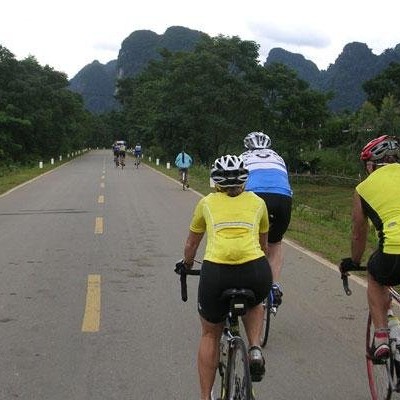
(229, 171)
(257, 140)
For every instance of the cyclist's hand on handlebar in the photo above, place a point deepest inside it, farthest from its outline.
(348, 264)
(181, 265)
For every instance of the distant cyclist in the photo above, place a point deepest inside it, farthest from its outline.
(268, 178)
(137, 153)
(183, 161)
(115, 149)
(122, 149)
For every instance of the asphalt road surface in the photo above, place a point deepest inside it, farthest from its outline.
(90, 308)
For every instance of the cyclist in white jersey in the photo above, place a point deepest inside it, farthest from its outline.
(268, 178)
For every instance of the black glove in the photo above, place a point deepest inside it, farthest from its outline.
(182, 266)
(179, 266)
(348, 264)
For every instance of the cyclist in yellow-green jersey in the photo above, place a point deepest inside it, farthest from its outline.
(377, 198)
(236, 223)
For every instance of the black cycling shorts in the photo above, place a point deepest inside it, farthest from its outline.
(385, 268)
(215, 278)
(279, 209)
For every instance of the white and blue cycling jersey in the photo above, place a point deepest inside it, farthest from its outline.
(267, 172)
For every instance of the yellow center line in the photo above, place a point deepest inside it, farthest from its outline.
(101, 199)
(102, 184)
(99, 227)
(91, 318)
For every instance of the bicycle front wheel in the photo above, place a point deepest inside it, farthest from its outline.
(380, 373)
(239, 386)
(266, 322)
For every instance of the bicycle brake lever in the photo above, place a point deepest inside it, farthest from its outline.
(345, 279)
(180, 269)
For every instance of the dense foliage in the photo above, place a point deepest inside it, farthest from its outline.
(208, 99)
(39, 117)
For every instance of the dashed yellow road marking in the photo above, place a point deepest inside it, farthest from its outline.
(91, 318)
(99, 226)
(100, 199)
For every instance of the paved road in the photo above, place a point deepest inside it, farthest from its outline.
(90, 308)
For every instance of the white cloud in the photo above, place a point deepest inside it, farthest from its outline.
(69, 36)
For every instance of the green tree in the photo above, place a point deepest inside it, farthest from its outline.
(201, 100)
(209, 99)
(294, 113)
(389, 116)
(39, 116)
(385, 84)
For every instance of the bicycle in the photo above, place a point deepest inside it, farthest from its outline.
(120, 161)
(233, 368)
(137, 160)
(383, 375)
(184, 179)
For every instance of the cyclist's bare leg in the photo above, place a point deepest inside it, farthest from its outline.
(379, 302)
(253, 321)
(208, 356)
(275, 259)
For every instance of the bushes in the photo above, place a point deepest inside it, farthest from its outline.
(333, 161)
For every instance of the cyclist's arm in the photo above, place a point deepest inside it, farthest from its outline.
(264, 242)
(192, 243)
(359, 230)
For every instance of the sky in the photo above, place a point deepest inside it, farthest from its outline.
(67, 35)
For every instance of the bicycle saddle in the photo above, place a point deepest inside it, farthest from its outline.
(247, 294)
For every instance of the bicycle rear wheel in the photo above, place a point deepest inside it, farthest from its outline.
(380, 373)
(239, 386)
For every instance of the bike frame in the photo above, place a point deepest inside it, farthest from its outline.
(184, 179)
(384, 373)
(233, 342)
(230, 336)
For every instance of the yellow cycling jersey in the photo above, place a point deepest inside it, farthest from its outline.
(380, 196)
(232, 225)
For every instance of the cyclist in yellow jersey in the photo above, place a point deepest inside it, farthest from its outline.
(378, 198)
(236, 223)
